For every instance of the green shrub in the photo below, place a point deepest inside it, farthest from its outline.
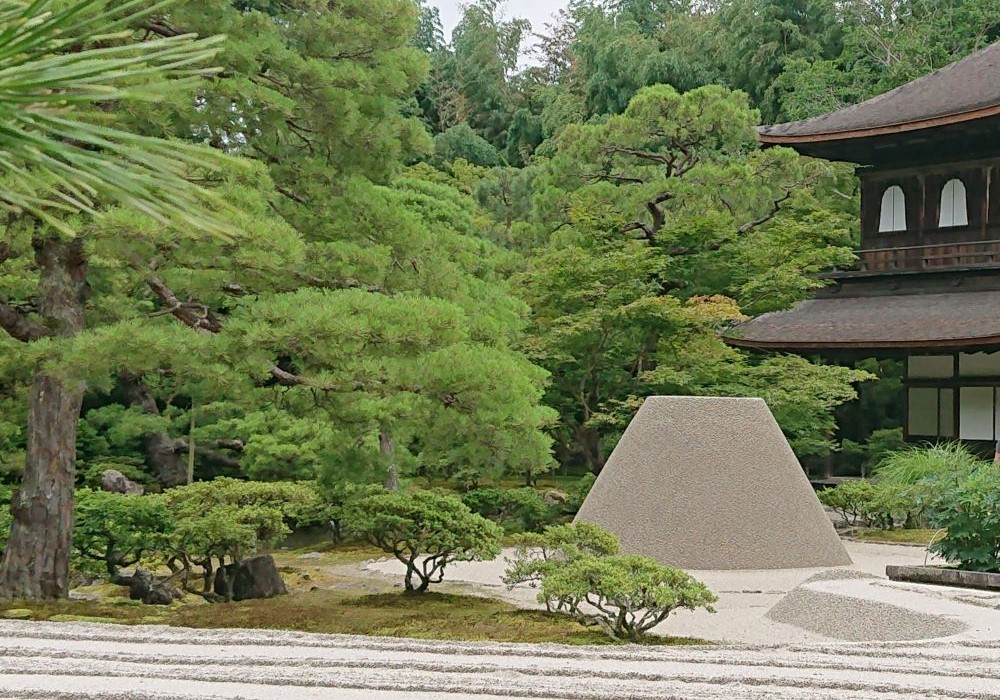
(626, 596)
(516, 510)
(425, 530)
(578, 494)
(848, 500)
(537, 554)
(879, 504)
(581, 574)
(224, 520)
(333, 502)
(112, 531)
(941, 464)
(970, 512)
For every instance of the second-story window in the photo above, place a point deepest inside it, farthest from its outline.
(953, 208)
(893, 216)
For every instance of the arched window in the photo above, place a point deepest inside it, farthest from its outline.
(893, 216)
(953, 209)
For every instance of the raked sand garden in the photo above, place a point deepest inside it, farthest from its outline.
(842, 632)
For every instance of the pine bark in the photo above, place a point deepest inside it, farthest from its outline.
(36, 561)
(387, 446)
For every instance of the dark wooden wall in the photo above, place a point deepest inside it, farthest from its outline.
(924, 244)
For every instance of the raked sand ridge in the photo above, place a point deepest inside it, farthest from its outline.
(77, 661)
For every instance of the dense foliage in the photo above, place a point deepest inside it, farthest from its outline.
(944, 486)
(970, 512)
(359, 252)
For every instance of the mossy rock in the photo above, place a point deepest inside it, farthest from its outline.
(17, 614)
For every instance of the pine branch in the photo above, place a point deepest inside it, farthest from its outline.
(192, 314)
(19, 326)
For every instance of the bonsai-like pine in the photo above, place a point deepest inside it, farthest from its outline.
(115, 531)
(582, 575)
(539, 554)
(424, 530)
(626, 596)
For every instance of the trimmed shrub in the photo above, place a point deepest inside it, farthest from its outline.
(424, 530)
(581, 574)
(112, 531)
(537, 554)
(879, 504)
(626, 596)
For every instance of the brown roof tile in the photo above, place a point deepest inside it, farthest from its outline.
(904, 321)
(969, 88)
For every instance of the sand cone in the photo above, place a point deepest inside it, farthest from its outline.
(711, 483)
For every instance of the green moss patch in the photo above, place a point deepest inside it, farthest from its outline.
(915, 537)
(424, 616)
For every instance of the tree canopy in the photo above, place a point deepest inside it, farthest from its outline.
(337, 245)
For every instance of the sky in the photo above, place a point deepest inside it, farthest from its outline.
(538, 11)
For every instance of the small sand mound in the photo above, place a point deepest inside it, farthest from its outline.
(856, 619)
(839, 574)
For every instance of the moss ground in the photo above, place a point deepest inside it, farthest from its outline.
(328, 595)
(916, 536)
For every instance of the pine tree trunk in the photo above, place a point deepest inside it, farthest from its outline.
(387, 446)
(36, 562)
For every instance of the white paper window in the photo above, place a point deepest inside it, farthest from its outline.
(930, 367)
(976, 417)
(979, 364)
(922, 415)
(953, 208)
(893, 215)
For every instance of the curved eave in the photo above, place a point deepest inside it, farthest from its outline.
(943, 120)
(821, 347)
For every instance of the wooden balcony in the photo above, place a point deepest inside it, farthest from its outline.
(930, 257)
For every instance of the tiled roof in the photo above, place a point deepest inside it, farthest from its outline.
(905, 321)
(966, 89)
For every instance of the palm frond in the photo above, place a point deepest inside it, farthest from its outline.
(53, 159)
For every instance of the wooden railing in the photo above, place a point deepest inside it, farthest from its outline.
(934, 256)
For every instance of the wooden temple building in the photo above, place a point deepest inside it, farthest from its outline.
(926, 285)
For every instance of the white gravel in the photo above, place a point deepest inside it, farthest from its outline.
(799, 655)
(860, 602)
(71, 661)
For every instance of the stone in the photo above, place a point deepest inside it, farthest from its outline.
(256, 577)
(943, 576)
(711, 483)
(555, 497)
(114, 481)
(147, 588)
(310, 555)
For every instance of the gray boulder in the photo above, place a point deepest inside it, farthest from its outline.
(256, 577)
(114, 481)
(145, 587)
